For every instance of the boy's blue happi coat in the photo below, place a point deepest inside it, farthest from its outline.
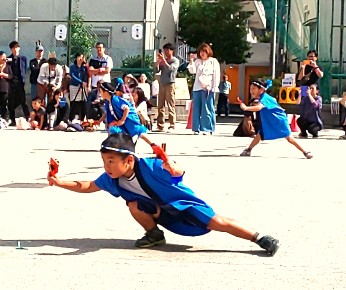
(181, 211)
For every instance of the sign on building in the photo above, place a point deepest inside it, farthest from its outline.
(137, 31)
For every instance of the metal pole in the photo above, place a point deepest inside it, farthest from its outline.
(144, 32)
(274, 40)
(69, 30)
(16, 24)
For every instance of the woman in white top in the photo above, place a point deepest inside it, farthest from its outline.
(139, 101)
(142, 83)
(207, 70)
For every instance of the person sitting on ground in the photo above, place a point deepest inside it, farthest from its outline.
(310, 113)
(52, 108)
(95, 106)
(144, 85)
(155, 195)
(38, 118)
(140, 103)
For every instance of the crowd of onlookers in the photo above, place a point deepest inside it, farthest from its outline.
(62, 97)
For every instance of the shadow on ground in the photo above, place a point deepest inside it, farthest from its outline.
(83, 246)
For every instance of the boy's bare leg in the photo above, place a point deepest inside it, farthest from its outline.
(291, 140)
(255, 141)
(233, 227)
(144, 219)
(153, 235)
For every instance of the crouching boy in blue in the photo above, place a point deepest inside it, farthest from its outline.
(155, 196)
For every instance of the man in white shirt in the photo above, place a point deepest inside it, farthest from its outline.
(100, 66)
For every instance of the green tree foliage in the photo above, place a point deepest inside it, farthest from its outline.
(82, 37)
(136, 61)
(222, 24)
(132, 64)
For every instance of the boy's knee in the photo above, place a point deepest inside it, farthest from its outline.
(133, 206)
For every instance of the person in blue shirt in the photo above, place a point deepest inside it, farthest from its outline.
(78, 87)
(273, 123)
(222, 103)
(155, 195)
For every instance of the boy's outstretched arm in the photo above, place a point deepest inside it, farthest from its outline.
(77, 186)
(251, 108)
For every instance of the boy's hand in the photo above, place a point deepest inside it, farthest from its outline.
(53, 168)
(169, 166)
(159, 152)
(53, 180)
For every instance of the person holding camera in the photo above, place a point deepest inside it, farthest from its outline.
(5, 76)
(78, 87)
(49, 79)
(168, 65)
(309, 72)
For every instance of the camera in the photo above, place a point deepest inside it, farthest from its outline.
(160, 50)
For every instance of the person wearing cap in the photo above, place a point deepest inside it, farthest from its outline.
(49, 78)
(155, 195)
(35, 65)
(16, 94)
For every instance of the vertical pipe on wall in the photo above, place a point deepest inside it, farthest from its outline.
(144, 32)
(69, 30)
(274, 40)
(16, 24)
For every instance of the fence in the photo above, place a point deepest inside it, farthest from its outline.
(89, 22)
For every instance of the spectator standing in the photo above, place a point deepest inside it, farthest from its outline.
(310, 113)
(222, 104)
(78, 87)
(5, 76)
(100, 66)
(207, 70)
(35, 65)
(49, 79)
(144, 85)
(168, 65)
(309, 72)
(16, 94)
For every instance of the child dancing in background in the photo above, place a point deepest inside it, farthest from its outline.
(273, 123)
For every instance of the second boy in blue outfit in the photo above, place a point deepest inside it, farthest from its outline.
(156, 196)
